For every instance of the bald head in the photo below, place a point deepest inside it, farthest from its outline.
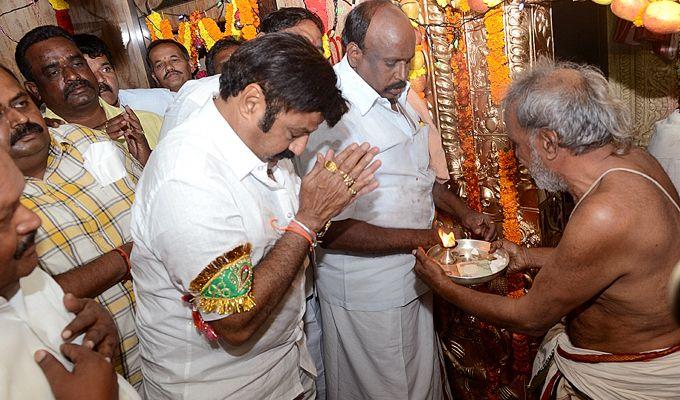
(380, 44)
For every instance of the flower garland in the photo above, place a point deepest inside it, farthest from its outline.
(184, 35)
(464, 116)
(195, 37)
(497, 61)
(153, 24)
(326, 46)
(247, 13)
(507, 170)
(62, 16)
(210, 32)
(166, 29)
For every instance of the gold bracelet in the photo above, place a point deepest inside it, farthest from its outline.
(324, 230)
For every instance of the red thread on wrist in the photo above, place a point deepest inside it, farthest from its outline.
(126, 259)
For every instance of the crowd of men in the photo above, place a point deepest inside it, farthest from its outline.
(259, 233)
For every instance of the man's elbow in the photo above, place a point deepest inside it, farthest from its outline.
(232, 335)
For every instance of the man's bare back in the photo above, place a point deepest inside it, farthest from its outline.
(635, 252)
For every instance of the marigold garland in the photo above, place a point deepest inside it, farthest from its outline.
(464, 116)
(326, 46)
(195, 37)
(153, 23)
(212, 29)
(229, 19)
(507, 171)
(497, 61)
(58, 5)
(248, 18)
(166, 29)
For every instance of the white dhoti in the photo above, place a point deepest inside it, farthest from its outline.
(576, 373)
(391, 354)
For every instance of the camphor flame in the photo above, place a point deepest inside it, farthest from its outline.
(448, 239)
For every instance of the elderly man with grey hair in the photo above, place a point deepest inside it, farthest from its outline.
(602, 290)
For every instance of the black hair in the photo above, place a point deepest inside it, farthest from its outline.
(358, 20)
(34, 36)
(292, 73)
(159, 42)
(9, 71)
(288, 17)
(92, 46)
(219, 45)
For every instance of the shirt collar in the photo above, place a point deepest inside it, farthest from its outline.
(355, 89)
(233, 150)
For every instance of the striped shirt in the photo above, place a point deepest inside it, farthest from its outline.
(81, 220)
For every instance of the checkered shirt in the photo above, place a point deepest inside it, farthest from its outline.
(81, 220)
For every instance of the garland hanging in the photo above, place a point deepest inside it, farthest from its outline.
(507, 170)
(195, 37)
(497, 61)
(62, 16)
(464, 115)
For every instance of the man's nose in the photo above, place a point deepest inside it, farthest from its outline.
(298, 145)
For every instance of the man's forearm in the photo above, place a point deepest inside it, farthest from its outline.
(92, 279)
(536, 257)
(272, 278)
(447, 201)
(361, 237)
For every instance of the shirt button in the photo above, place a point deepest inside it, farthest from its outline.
(289, 215)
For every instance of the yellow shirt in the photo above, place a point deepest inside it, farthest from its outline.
(151, 123)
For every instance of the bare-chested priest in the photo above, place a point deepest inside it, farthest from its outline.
(609, 274)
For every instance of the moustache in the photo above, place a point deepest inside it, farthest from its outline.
(172, 71)
(283, 155)
(25, 243)
(396, 85)
(73, 85)
(103, 87)
(24, 130)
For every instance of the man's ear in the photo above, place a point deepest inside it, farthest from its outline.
(550, 142)
(252, 103)
(32, 89)
(354, 54)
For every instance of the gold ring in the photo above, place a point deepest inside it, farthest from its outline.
(348, 180)
(352, 191)
(331, 166)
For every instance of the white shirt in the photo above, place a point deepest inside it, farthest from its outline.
(402, 200)
(32, 320)
(203, 193)
(154, 100)
(665, 146)
(189, 99)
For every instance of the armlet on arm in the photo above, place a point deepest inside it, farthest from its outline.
(223, 287)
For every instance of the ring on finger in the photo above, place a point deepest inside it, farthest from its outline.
(330, 166)
(352, 191)
(348, 180)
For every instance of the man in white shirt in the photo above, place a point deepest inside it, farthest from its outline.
(100, 60)
(208, 219)
(197, 92)
(37, 319)
(379, 338)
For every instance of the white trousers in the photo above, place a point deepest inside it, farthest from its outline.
(391, 354)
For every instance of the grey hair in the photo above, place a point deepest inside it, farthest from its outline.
(578, 106)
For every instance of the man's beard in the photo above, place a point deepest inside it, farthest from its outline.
(25, 243)
(22, 131)
(545, 178)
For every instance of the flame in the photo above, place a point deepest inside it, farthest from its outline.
(448, 239)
